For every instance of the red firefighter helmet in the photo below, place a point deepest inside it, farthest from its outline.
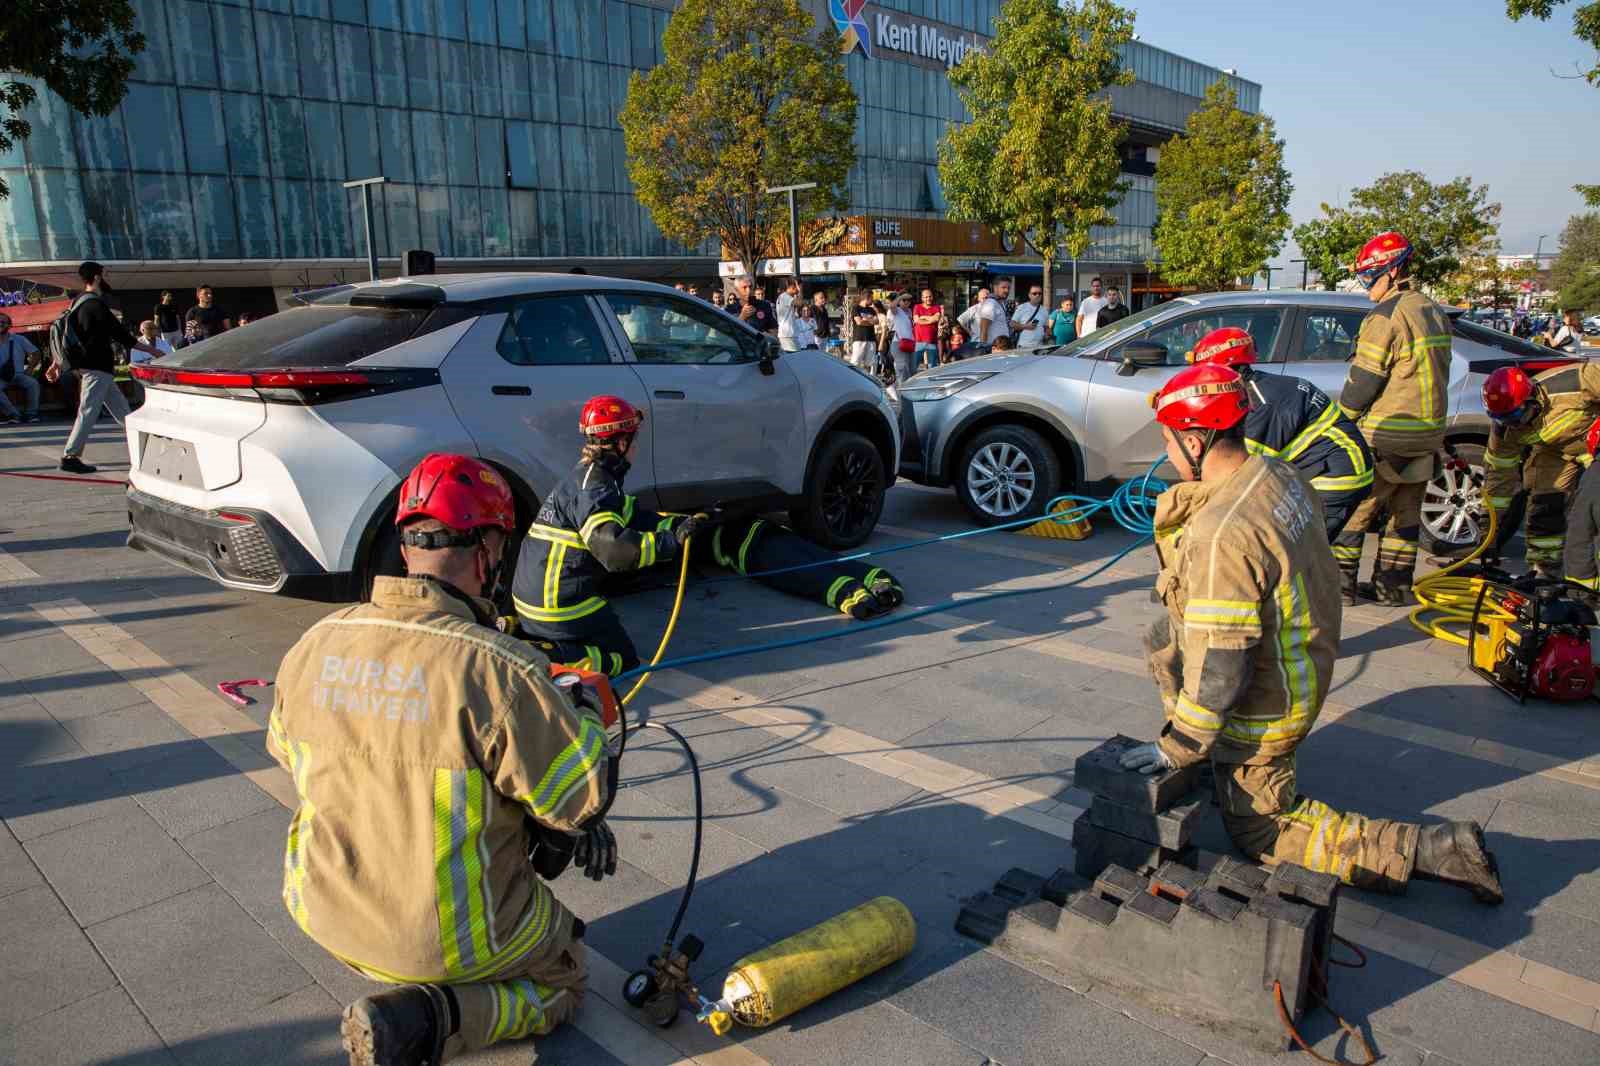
(1228, 346)
(1593, 440)
(462, 492)
(1206, 396)
(1506, 390)
(608, 417)
(1564, 669)
(1380, 255)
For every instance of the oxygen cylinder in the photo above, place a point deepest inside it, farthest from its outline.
(794, 973)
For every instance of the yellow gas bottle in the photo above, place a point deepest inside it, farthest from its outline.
(794, 973)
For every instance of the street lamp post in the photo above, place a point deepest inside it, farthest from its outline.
(1305, 271)
(794, 222)
(366, 184)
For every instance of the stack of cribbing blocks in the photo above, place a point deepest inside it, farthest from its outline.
(1208, 943)
(1136, 821)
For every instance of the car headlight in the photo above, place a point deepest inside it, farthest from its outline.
(941, 386)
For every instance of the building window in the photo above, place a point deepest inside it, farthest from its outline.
(422, 66)
(113, 222)
(389, 68)
(101, 141)
(296, 223)
(401, 204)
(460, 152)
(486, 80)
(361, 143)
(323, 130)
(247, 140)
(280, 69)
(236, 49)
(215, 224)
(384, 14)
(354, 48)
(433, 211)
(193, 50)
(155, 138)
(427, 137)
(453, 19)
(351, 11)
(204, 132)
(512, 18)
(155, 62)
(466, 222)
(286, 137)
(257, 235)
(394, 140)
(496, 223)
(518, 101)
(419, 16)
(314, 41)
(166, 215)
(457, 79)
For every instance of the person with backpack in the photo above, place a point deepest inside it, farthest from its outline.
(14, 352)
(80, 343)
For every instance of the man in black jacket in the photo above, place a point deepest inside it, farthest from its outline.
(95, 363)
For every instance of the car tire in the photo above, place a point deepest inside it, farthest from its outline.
(383, 556)
(1007, 473)
(844, 493)
(1452, 512)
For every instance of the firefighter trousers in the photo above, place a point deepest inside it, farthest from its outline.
(1271, 822)
(1339, 507)
(597, 642)
(1397, 542)
(753, 546)
(1549, 479)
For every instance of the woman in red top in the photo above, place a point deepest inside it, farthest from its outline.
(925, 319)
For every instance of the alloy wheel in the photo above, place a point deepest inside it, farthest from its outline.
(1452, 504)
(1001, 479)
(851, 493)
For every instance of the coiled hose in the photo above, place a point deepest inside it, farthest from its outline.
(1446, 599)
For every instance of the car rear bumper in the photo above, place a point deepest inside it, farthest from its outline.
(248, 549)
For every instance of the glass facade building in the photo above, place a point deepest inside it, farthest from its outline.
(493, 120)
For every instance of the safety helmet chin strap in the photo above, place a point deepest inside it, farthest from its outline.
(1196, 462)
(434, 539)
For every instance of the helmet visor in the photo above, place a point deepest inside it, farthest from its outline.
(1516, 418)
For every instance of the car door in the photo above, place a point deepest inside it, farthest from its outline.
(729, 424)
(520, 376)
(1320, 346)
(1119, 422)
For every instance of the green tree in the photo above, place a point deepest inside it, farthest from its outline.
(1039, 158)
(750, 94)
(1582, 294)
(1222, 195)
(1585, 25)
(1483, 280)
(1442, 222)
(82, 51)
(1580, 249)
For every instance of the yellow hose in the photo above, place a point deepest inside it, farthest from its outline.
(672, 622)
(1451, 599)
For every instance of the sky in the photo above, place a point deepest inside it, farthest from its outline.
(1448, 88)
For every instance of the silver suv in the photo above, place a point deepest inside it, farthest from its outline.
(1011, 431)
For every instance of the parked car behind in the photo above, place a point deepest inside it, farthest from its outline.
(1011, 432)
(269, 457)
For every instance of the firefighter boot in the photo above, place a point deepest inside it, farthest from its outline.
(887, 593)
(1349, 594)
(404, 1026)
(1454, 852)
(1390, 588)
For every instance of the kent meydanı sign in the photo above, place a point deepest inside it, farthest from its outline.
(876, 32)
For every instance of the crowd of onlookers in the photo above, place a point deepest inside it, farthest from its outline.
(894, 335)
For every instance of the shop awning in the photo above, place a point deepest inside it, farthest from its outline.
(28, 317)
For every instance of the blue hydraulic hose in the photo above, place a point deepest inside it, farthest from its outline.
(1131, 505)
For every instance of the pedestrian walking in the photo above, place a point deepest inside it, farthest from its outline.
(14, 352)
(1089, 310)
(864, 335)
(169, 320)
(1114, 310)
(905, 339)
(208, 318)
(1028, 320)
(925, 319)
(96, 329)
(1063, 323)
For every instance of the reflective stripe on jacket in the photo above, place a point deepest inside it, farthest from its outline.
(586, 528)
(1569, 402)
(1404, 342)
(1252, 595)
(419, 740)
(1293, 420)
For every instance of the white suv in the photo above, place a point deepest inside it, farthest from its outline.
(269, 457)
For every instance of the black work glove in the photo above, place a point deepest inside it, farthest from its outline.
(552, 850)
(693, 526)
(596, 852)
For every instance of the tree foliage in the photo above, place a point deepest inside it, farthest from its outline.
(1585, 25)
(1442, 222)
(1482, 279)
(1582, 294)
(1580, 249)
(750, 95)
(81, 51)
(1222, 195)
(1039, 158)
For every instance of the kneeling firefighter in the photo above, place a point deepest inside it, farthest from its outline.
(440, 773)
(1244, 656)
(587, 529)
(1293, 420)
(1537, 432)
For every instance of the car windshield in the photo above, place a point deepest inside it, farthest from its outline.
(1111, 332)
(323, 334)
(1495, 338)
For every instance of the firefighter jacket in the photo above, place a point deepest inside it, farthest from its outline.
(1581, 552)
(1293, 420)
(1252, 627)
(419, 739)
(1396, 390)
(586, 528)
(1569, 401)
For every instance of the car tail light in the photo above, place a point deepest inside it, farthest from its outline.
(285, 385)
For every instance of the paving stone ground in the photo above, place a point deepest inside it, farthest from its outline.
(140, 920)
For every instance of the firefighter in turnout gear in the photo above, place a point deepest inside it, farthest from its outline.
(1537, 442)
(1245, 653)
(1581, 552)
(1293, 420)
(767, 551)
(1396, 393)
(586, 530)
(435, 762)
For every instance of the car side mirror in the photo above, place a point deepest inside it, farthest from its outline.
(770, 350)
(1141, 355)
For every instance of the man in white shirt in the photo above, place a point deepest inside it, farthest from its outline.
(994, 318)
(149, 332)
(1089, 309)
(968, 319)
(14, 352)
(1027, 322)
(788, 306)
(1568, 337)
